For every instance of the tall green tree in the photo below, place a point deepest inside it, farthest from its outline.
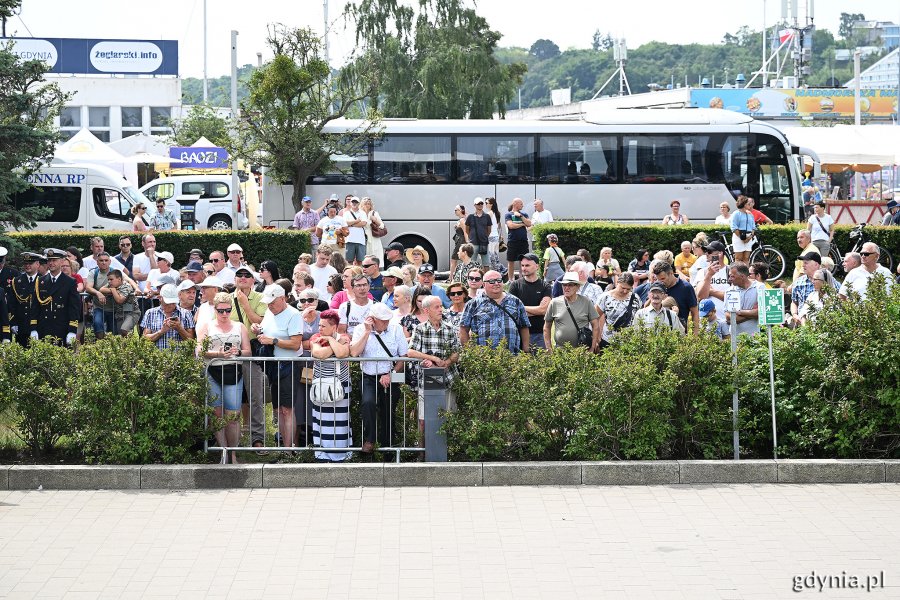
(290, 101)
(202, 120)
(27, 135)
(438, 59)
(847, 20)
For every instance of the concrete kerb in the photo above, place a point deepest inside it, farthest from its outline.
(74, 477)
(188, 477)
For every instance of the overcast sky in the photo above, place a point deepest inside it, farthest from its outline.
(568, 23)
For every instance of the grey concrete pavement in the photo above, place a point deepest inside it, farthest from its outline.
(684, 541)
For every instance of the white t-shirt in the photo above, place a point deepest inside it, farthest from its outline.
(357, 234)
(282, 326)
(816, 232)
(543, 216)
(858, 280)
(155, 275)
(392, 337)
(719, 283)
(723, 220)
(90, 263)
(320, 277)
(358, 314)
(329, 229)
(206, 314)
(141, 264)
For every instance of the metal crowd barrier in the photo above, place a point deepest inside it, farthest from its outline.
(340, 429)
(88, 305)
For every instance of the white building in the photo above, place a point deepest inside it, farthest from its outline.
(882, 74)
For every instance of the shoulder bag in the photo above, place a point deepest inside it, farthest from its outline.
(395, 376)
(585, 335)
(625, 318)
(379, 231)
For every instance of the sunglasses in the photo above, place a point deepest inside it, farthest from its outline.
(216, 260)
(367, 266)
(223, 311)
(243, 276)
(451, 294)
(867, 253)
(234, 252)
(474, 278)
(307, 300)
(493, 281)
(210, 272)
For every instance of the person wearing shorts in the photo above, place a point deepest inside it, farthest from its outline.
(517, 224)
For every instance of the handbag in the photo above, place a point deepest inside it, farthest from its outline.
(503, 246)
(326, 391)
(626, 317)
(379, 231)
(585, 335)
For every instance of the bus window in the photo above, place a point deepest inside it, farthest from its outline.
(412, 159)
(345, 168)
(64, 202)
(570, 159)
(661, 158)
(495, 159)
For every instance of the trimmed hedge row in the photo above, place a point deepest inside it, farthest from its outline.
(663, 395)
(626, 240)
(281, 245)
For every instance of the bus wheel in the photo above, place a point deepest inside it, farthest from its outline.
(411, 241)
(219, 222)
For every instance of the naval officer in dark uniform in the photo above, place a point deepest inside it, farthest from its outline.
(7, 273)
(59, 304)
(22, 304)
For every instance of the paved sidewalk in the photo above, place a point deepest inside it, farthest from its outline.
(723, 541)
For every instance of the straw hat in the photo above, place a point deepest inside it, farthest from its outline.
(409, 254)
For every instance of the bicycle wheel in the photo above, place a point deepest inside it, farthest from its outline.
(772, 257)
(885, 259)
(835, 255)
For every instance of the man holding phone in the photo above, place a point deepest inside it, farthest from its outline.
(168, 323)
(711, 280)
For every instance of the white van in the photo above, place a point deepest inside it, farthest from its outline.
(216, 208)
(81, 196)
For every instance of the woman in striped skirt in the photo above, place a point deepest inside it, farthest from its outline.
(331, 419)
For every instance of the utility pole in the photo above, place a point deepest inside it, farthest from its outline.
(205, 74)
(235, 182)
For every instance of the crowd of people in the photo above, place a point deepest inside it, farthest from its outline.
(351, 297)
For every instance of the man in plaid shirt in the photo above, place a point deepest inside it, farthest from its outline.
(495, 316)
(168, 323)
(435, 344)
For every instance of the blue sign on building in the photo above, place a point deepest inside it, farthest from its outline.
(190, 157)
(99, 57)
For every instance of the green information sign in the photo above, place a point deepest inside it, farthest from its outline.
(771, 307)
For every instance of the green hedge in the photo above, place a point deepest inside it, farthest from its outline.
(282, 246)
(661, 395)
(626, 240)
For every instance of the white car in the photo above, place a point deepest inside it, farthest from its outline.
(216, 206)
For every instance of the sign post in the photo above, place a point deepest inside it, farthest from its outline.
(771, 312)
(732, 305)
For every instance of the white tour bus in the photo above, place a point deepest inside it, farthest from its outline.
(625, 165)
(80, 196)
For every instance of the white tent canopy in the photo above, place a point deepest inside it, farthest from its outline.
(848, 144)
(85, 147)
(141, 143)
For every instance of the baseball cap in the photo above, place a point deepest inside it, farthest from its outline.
(714, 246)
(166, 256)
(479, 201)
(813, 256)
(396, 246)
(426, 268)
(658, 287)
(212, 281)
(234, 247)
(392, 272)
(169, 293)
(354, 200)
(306, 199)
(271, 292)
(706, 306)
(186, 285)
(248, 271)
(381, 312)
(193, 267)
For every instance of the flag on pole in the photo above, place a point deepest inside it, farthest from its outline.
(785, 34)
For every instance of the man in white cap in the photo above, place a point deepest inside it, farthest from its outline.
(282, 329)
(477, 228)
(235, 257)
(187, 296)
(356, 238)
(391, 279)
(377, 338)
(209, 287)
(164, 263)
(167, 323)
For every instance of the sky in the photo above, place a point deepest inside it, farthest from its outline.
(568, 23)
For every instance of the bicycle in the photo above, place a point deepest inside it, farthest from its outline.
(858, 234)
(764, 253)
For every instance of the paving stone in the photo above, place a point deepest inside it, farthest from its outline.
(661, 472)
(74, 477)
(532, 473)
(892, 471)
(728, 471)
(831, 471)
(300, 476)
(200, 477)
(432, 475)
